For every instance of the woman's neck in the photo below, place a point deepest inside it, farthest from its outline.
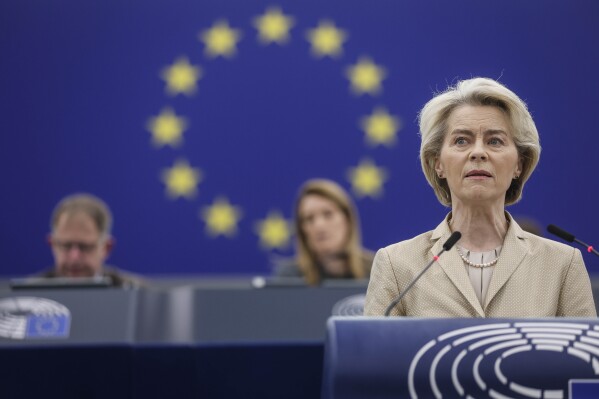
(482, 228)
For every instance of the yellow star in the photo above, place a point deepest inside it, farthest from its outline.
(181, 77)
(273, 26)
(326, 39)
(220, 40)
(181, 180)
(367, 179)
(366, 77)
(380, 127)
(221, 218)
(274, 231)
(167, 128)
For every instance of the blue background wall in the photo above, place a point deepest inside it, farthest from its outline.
(82, 80)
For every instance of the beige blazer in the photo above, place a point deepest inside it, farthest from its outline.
(534, 277)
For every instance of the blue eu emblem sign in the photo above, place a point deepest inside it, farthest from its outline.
(33, 317)
(45, 326)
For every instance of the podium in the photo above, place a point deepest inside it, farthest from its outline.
(471, 358)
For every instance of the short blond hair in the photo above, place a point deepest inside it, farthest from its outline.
(477, 92)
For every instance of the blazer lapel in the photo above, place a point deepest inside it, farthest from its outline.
(512, 254)
(453, 266)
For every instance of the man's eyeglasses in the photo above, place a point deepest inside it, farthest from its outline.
(67, 246)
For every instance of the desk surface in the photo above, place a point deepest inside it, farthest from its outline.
(217, 313)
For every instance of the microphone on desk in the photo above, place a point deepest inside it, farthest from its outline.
(553, 229)
(453, 238)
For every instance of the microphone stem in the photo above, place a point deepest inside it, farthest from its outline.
(399, 298)
(589, 248)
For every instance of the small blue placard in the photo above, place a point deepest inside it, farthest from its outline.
(48, 326)
(584, 389)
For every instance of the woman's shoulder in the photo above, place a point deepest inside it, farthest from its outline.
(541, 244)
(419, 245)
(418, 241)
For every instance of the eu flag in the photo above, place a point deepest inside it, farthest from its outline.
(197, 121)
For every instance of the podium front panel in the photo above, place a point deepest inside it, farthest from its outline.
(478, 358)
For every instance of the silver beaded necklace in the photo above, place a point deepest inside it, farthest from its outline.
(477, 265)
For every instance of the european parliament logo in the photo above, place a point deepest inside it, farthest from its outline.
(489, 360)
(33, 317)
(192, 80)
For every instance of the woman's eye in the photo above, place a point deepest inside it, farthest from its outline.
(460, 141)
(496, 141)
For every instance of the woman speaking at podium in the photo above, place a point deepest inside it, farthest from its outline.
(479, 147)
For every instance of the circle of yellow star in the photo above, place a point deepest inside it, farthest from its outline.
(366, 77)
(380, 127)
(221, 218)
(220, 40)
(367, 179)
(326, 39)
(274, 231)
(167, 128)
(181, 77)
(181, 180)
(273, 26)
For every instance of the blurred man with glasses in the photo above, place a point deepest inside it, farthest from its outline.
(81, 241)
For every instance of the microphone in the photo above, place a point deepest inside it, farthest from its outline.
(453, 238)
(553, 229)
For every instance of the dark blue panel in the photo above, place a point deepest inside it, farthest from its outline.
(260, 371)
(584, 389)
(66, 373)
(148, 372)
(161, 372)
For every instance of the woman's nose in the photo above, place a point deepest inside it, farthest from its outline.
(478, 151)
(319, 222)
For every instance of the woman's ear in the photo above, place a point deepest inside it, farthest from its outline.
(519, 167)
(439, 169)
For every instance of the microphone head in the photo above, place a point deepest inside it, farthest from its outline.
(453, 238)
(553, 229)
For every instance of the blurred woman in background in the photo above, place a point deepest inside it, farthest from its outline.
(327, 228)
